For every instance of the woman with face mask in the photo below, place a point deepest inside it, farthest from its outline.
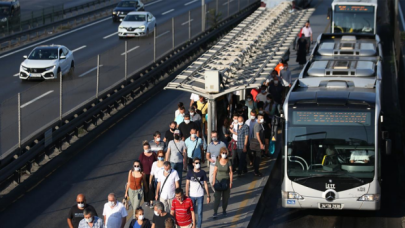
(251, 104)
(157, 166)
(139, 220)
(136, 185)
(147, 158)
(223, 176)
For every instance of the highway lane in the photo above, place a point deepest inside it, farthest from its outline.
(44, 96)
(33, 5)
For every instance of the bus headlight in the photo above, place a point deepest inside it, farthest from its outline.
(294, 195)
(369, 197)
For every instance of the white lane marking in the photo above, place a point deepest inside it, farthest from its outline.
(16, 75)
(188, 3)
(89, 71)
(153, 3)
(55, 37)
(163, 34)
(168, 11)
(35, 99)
(227, 2)
(115, 33)
(131, 49)
(79, 48)
(402, 15)
(187, 22)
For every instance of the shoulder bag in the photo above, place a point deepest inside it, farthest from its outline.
(195, 176)
(174, 142)
(222, 185)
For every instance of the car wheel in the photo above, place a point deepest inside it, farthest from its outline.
(72, 68)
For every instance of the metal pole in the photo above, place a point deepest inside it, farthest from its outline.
(19, 120)
(154, 44)
(228, 8)
(209, 120)
(60, 96)
(202, 15)
(189, 26)
(173, 33)
(98, 75)
(126, 59)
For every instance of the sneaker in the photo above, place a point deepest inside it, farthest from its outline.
(147, 204)
(151, 206)
(224, 213)
(214, 215)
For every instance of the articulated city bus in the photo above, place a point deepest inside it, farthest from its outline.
(353, 16)
(333, 136)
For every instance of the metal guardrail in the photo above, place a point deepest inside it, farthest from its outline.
(49, 15)
(62, 133)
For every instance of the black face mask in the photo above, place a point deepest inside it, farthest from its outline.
(176, 137)
(172, 129)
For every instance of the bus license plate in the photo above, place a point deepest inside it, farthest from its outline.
(337, 206)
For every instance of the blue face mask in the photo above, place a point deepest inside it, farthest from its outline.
(161, 159)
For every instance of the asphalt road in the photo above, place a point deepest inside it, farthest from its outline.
(33, 5)
(41, 99)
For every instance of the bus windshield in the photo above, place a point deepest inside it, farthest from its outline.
(331, 143)
(354, 19)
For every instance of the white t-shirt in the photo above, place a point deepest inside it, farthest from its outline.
(261, 97)
(306, 31)
(176, 113)
(235, 129)
(114, 215)
(156, 169)
(194, 97)
(167, 192)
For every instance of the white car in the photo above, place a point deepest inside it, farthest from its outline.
(46, 62)
(137, 24)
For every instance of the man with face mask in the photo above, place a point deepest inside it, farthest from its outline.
(242, 133)
(194, 145)
(176, 154)
(168, 181)
(258, 135)
(183, 210)
(157, 143)
(90, 220)
(114, 213)
(160, 216)
(76, 212)
(180, 118)
(195, 186)
(262, 95)
(233, 147)
(169, 135)
(213, 152)
(276, 90)
(251, 123)
(186, 127)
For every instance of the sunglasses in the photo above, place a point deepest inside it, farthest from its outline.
(160, 157)
(197, 163)
(136, 166)
(224, 153)
(81, 202)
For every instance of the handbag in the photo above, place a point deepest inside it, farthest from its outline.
(232, 146)
(125, 202)
(254, 144)
(221, 186)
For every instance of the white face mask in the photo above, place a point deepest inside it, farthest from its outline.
(240, 124)
(252, 117)
(147, 151)
(187, 121)
(112, 204)
(223, 155)
(235, 121)
(137, 168)
(261, 121)
(197, 166)
(141, 217)
(89, 220)
(193, 135)
(157, 139)
(167, 171)
(156, 213)
(192, 113)
(81, 205)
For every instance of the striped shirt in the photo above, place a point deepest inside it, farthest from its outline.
(182, 211)
(155, 147)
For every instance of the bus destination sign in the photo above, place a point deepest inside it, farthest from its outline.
(354, 8)
(331, 118)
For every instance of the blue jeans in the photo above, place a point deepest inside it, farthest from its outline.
(198, 203)
(179, 168)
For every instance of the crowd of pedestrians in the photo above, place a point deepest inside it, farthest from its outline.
(156, 178)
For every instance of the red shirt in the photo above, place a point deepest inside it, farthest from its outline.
(182, 211)
(147, 162)
(278, 68)
(254, 93)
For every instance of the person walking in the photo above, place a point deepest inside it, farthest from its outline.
(76, 212)
(168, 181)
(213, 153)
(169, 133)
(302, 51)
(242, 132)
(176, 154)
(136, 185)
(251, 104)
(307, 34)
(114, 213)
(139, 220)
(147, 158)
(251, 122)
(183, 211)
(222, 181)
(90, 220)
(169, 223)
(160, 216)
(157, 166)
(257, 143)
(157, 143)
(177, 112)
(194, 146)
(195, 186)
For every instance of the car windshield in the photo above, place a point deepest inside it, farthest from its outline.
(330, 143)
(43, 54)
(4, 10)
(135, 18)
(127, 4)
(354, 19)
